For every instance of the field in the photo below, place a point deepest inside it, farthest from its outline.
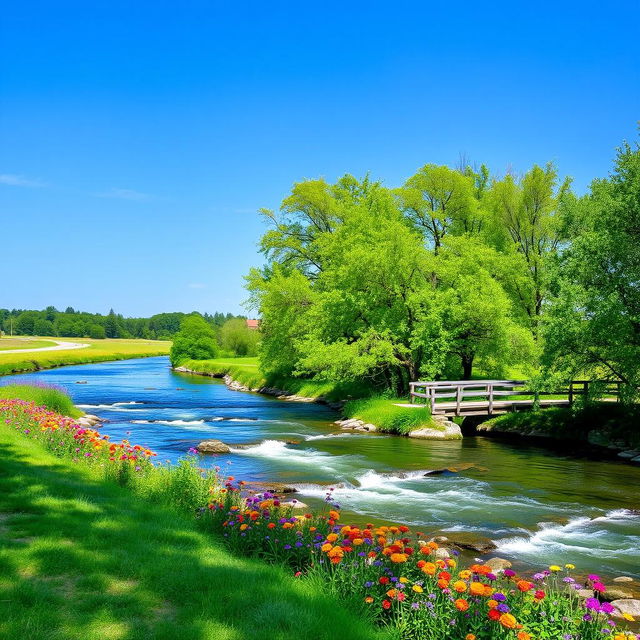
(7, 344)
(83, 559)
(98, 351)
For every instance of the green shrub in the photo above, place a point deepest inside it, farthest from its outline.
(196, 340)
(96, 331)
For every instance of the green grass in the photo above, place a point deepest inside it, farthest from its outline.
(246, 371)
(7, 344)
(98, 351)
(616, 422)
(387, 416)
(54, 399)
(83, 559)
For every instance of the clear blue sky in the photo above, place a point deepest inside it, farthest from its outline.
(139, 138)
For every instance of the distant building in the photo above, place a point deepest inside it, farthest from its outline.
(253, 324)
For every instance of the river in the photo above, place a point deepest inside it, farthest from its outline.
(539, 507)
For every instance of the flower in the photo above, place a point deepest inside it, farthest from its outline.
(470, 636)
(368, 599)
(460, 586)
(476, 588)
(417, 588)
(461, 604)
(569, 566)
(555, 567)
(523, 635)
(386, 604)
(507, 621)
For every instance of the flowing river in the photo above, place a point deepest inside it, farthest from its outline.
(539, 507)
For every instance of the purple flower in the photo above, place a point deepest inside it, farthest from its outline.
(509, 573)
(592, 603)
(499, 597)
(607, 607)
(587, 618)
(503, 608)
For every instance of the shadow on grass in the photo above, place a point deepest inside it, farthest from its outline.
(82, 559)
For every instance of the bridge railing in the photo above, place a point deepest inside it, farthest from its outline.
(490, 392)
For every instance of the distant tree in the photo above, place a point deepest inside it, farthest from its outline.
(97, 332)
(196, 340)
(42, 327)
(111, 328)
(235, 336)
(25, 323)
(69, 310)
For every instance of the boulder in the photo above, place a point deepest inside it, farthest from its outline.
(629, 455)
(441, 554)
(498, 564)
(440, 539)
(450, 431)
(213, 446)
(585, 593)
(629, 606)
(623, 579)
(294, 504)
(272, 487)
(616, 593)
(464, 540)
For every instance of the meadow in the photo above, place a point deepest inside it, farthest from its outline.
(94, 530)
(10, 343)
(98, 351)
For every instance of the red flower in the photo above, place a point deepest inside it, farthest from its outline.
(386, 604)
(384, 580)
(538, 595)
(494, 614)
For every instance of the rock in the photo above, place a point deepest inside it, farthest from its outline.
(463, 466)
(181, 369)
(623, 579)
(441, 539)
(636, 459)
(81, 382)
(585, 593)
(294, 504)
(498, 564)
(213, 446)
(629, 606)
(447, 432)
(463, 540)
(272, 487)
(441, 554)
(370, 427)
(294, 442)
(615, 593)
(629, 455)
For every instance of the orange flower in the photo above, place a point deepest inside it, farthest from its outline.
(443, 584)
(398, 557)
(460, 586)
(476, 589)
(470, 636)
(523, 585)
(461, 604)
(488, 591)
(465, 575)
(523, 635)
(332, 537)
(327, 546)
(507, 621)
(334, 515)
(492, 603)
(368, 599)
(392, 593)
(429, 568)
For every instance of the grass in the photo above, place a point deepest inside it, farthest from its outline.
(98, 351)
(614, 422)
(387, 416)
(42, 395)
(83, 559)
(246, 371)
(7, 344)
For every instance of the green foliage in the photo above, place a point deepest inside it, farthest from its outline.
(238, 339)
(593, 325)
(387, 416)
(54, 399)
(97, 332)
(196, 340)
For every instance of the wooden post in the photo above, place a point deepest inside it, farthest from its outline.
(458, 398)
(490, 390)
(571, 393)
(411, 390)
(432, 393)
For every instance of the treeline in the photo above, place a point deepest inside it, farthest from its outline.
(71, 323)
(456, 273)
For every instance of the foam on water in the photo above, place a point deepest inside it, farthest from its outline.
(178, 423)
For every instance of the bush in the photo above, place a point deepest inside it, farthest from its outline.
(387, 416)
(97, 332)
(237, 338)
(196, 340)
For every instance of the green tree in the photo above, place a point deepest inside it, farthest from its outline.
(196, 340)
(236, 337)
(593, 326)
(43, 327)
(111, 327)
(97, 332)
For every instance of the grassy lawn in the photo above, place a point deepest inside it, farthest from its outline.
(388, 416)
(82, 559)
(48, 397)
(98, 351)
(7, 344)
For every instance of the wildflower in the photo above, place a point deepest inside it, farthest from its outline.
(368, 599)
(569, 566)
(507, 621)
(398, 557)
(523, 635)
(476, 588)
(460, 586)
(461, 604)
(555, 567)
(523, 585)
(539, 595)
(628, 617)
(417, 588)
(470, 636)
(494, 614)
(386, 604)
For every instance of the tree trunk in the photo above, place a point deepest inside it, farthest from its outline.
(467, 367)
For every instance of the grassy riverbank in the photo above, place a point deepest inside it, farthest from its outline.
(83, 559)
(97, 351)
(360, 399)
(602, 423)
(43, 396)
(8, 344)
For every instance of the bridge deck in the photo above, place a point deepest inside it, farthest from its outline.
(481, 408)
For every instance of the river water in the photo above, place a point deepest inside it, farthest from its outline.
(539, 507)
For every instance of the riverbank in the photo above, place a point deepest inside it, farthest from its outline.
(361, 410)
(84, 559)
(609, 428)
(95, 351)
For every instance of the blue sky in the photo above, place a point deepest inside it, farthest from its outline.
(137, 140)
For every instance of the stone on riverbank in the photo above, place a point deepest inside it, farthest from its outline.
(629, 606)
(353, 424)
(498, 564)
(271, 487)
(213, 446)
(465, 540)
(623, 579)
(443, 429)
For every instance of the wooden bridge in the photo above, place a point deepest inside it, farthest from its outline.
(493, 397)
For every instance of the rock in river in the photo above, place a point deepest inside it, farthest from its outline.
(464, 540)
(498, 564)
(213, 446)
(629, 606)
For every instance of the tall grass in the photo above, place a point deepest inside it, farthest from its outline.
(51, 397)
(387, 416)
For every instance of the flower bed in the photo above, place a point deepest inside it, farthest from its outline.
(398, 577)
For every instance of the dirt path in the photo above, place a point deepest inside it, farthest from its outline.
(60, 346)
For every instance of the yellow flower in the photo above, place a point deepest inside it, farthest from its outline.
(569, 566)
(629, 617)
(555, 567)
(403, 580)
(417, 588)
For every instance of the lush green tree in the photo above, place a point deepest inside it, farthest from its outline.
(25, 323)
(196, 340)
(97, 332)
(111, 326)
(593, 326)
(43, 327)
(236, 337)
